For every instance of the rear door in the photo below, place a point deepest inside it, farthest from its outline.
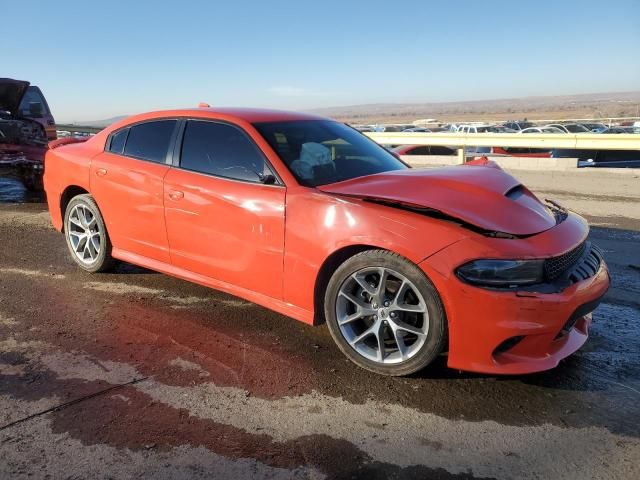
(127, 182)
(225, 209)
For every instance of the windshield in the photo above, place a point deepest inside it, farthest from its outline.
(319, 152)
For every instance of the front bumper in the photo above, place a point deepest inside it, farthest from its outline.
(513, 332)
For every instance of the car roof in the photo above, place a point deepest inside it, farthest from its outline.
(251, 115)
(235, 115)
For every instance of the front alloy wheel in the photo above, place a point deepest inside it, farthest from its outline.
(384, 313)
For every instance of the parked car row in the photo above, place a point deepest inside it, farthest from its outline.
(508, 127)
(585, 158)
(66, 133)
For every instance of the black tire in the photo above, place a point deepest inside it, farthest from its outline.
(436, 337)
(103, 261)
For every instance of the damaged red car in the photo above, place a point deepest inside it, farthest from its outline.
(310, 218)
(26, 126)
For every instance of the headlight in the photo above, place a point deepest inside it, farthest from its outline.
(502, 273)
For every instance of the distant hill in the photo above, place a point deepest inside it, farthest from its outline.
(594, 105)
(102, 123)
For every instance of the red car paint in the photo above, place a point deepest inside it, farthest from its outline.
(268, 243)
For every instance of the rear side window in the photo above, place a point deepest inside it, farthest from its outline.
(221, 150)
(118, 139)
(150, 140)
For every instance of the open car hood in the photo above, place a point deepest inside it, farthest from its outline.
(485, 197)
(11, 93)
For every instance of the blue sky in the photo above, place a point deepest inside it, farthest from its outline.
(96, 60)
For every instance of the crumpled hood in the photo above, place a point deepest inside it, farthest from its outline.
(483, 196)
(11, 93)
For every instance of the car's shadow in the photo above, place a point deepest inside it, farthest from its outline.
(123, 268)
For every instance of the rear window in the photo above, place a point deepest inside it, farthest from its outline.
(33, 104)
(150, 140)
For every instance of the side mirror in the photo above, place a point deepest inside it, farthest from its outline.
(35, 109)
(267, 179)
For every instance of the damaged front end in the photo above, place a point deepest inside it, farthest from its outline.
(482, 198)
(433, 213)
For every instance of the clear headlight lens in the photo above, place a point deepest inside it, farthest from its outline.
(502, 273)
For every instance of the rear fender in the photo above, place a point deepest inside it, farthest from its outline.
(67, 163)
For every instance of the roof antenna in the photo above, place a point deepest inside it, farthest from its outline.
(204, 105)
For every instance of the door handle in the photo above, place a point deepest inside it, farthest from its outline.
(175, 195)
(101, 172)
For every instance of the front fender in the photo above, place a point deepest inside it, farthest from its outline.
(319, 224)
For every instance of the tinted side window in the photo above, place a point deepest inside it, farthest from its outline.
(150, 140)
(118, 139)
(221, 150)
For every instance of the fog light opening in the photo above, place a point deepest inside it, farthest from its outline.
(566, 329)
(508, 344)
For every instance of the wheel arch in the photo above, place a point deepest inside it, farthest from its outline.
(330, 264)
(68, 194)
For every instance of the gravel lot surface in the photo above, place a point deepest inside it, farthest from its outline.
(134, 374)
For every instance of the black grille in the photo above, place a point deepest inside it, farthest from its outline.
(588, 265)
(556, 266)
(578, 264)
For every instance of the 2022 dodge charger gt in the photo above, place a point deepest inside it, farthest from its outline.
(310, 218)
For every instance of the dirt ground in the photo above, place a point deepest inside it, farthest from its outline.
(134, 374)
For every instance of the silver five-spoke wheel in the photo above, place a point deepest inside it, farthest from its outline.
(84, 234)
(382, 315)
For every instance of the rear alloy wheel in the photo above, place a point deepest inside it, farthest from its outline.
(385, 314)
(86, 235)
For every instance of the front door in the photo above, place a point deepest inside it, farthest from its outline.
(225, 210)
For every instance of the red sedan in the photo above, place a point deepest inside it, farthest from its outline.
(308, 217)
